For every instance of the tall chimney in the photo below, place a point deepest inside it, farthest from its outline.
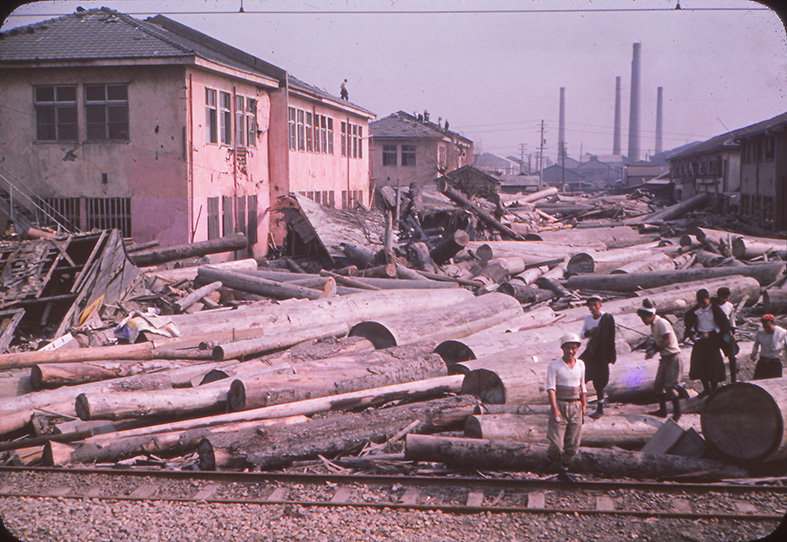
(659, 117)
(616, 135)
(561, 131)
(633, 154)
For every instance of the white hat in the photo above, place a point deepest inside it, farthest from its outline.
(570, 338)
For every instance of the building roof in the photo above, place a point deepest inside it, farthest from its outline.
(106, 34)
(728, 139)
(405, 126)
(487, 160)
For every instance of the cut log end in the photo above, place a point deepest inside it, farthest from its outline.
(82, 407)
(376, 333)
(236, 397)
(36, 378)
(453, 352)
(742, 421)
(580, 263)
(207, 459)
(485, 385)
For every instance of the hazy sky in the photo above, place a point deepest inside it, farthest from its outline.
(494, 68)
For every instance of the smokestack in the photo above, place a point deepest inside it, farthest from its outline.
(659, 118)
(561, 131)
(616, 135)
(633, 154)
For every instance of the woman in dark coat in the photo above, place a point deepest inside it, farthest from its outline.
(706, 324)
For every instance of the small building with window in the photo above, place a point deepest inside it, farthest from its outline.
(165, 133)
(405, 148)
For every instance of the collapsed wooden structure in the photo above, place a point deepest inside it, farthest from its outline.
(357, 345)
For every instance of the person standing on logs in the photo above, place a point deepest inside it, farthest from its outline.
(771, 342)
(665, 343)
(705, 324)
(568, 398)
(599, 330)
(728, 343)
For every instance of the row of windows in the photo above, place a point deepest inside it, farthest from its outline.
(758, 206)
(99, 213)
(328, 199)
(758, 149)
(242, 217)
(701, 166)
(105, 109)
(352, 140)
(390, 153)
(309, 131)
(219, 114)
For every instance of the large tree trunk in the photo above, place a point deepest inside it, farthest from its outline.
(54, 375)
(747, 420)
(774, 300)
(246, 348)
(256, 285)
(448, 247)
(678, 210)
(764, 273)
(182, 304)
(331, 435)
(365, 282)
(610, 260)
(482, 454)
(438, 324)
(607, 236)
(236, 241)
(337, 375)
(630, 431)
(57, 454)
(270, 319)
(409, 391)
(745, 248)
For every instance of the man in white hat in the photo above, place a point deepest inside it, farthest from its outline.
(568, 398)
(665, 342)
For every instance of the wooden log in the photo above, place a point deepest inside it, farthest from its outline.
(606, 261)
(677, 210)
(524, 293)
(498, 270)
(329, 436)
(649, 264)
(764, 273)
(253, 347)
(548, 283)
(746, 421)
(484, 454)
(486, 218)
(325, 284)
(372, 371)
(419, 256)
(630, 431)
(410, 391)
(135, 247)
(436, 325)
(255, 285)
(745, 248)
(171, 276)
(774, 300)
(254, 321)
(352, 282)
(229, 243)
(538, 195)
(123, 351)
(606, 237)
(174, 443)
(719, 239)
(387, 271)
(182, 304)
(530, 275)
(359, 254)
(54, 375)
(404, 272)
(369, 283)
(448, 247)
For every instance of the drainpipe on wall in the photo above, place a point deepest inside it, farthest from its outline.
(190, 158)
(349, 155)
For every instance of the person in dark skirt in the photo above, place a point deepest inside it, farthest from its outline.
(770, 343)
(705, 324)
(599, 329)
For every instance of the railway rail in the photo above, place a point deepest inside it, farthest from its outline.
(755, 503)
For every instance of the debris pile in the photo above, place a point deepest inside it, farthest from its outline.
(356, 348)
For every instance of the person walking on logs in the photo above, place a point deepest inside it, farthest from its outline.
(771, 342)
(665, 343)
(728, 343)
(705, 324)
(599, 330)
(567, 398)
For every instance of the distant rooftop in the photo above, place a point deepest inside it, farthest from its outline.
(405, 125)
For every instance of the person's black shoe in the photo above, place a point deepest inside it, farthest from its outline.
(598, 413)
(564, 476)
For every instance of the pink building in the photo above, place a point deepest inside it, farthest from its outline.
(163, 132)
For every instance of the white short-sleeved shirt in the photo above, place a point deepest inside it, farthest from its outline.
(770, 345)
(705, 321)
(660, 327)
(589, 324)
(560, 374)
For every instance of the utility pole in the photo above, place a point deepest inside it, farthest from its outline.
(541, 147)
(521, 158)
(563, 166)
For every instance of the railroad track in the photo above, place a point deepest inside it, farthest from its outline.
(448, 494)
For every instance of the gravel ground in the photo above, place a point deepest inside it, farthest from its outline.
(64, 520)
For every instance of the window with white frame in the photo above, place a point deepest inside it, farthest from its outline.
(309, 132)
(211, 116)
(56, 113)
(251, 122)
(330, 135)
(344, 142)
(225, 105)
(240, 118)
(106, 112)
(301, 130)
(291, 126)
(389, 155)
(408, 155)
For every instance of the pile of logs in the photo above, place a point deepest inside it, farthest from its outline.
(259, 364)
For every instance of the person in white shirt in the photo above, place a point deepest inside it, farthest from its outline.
(665, 342)
(771, 342)
(729, 346)
(599, 329)
(568, 398)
